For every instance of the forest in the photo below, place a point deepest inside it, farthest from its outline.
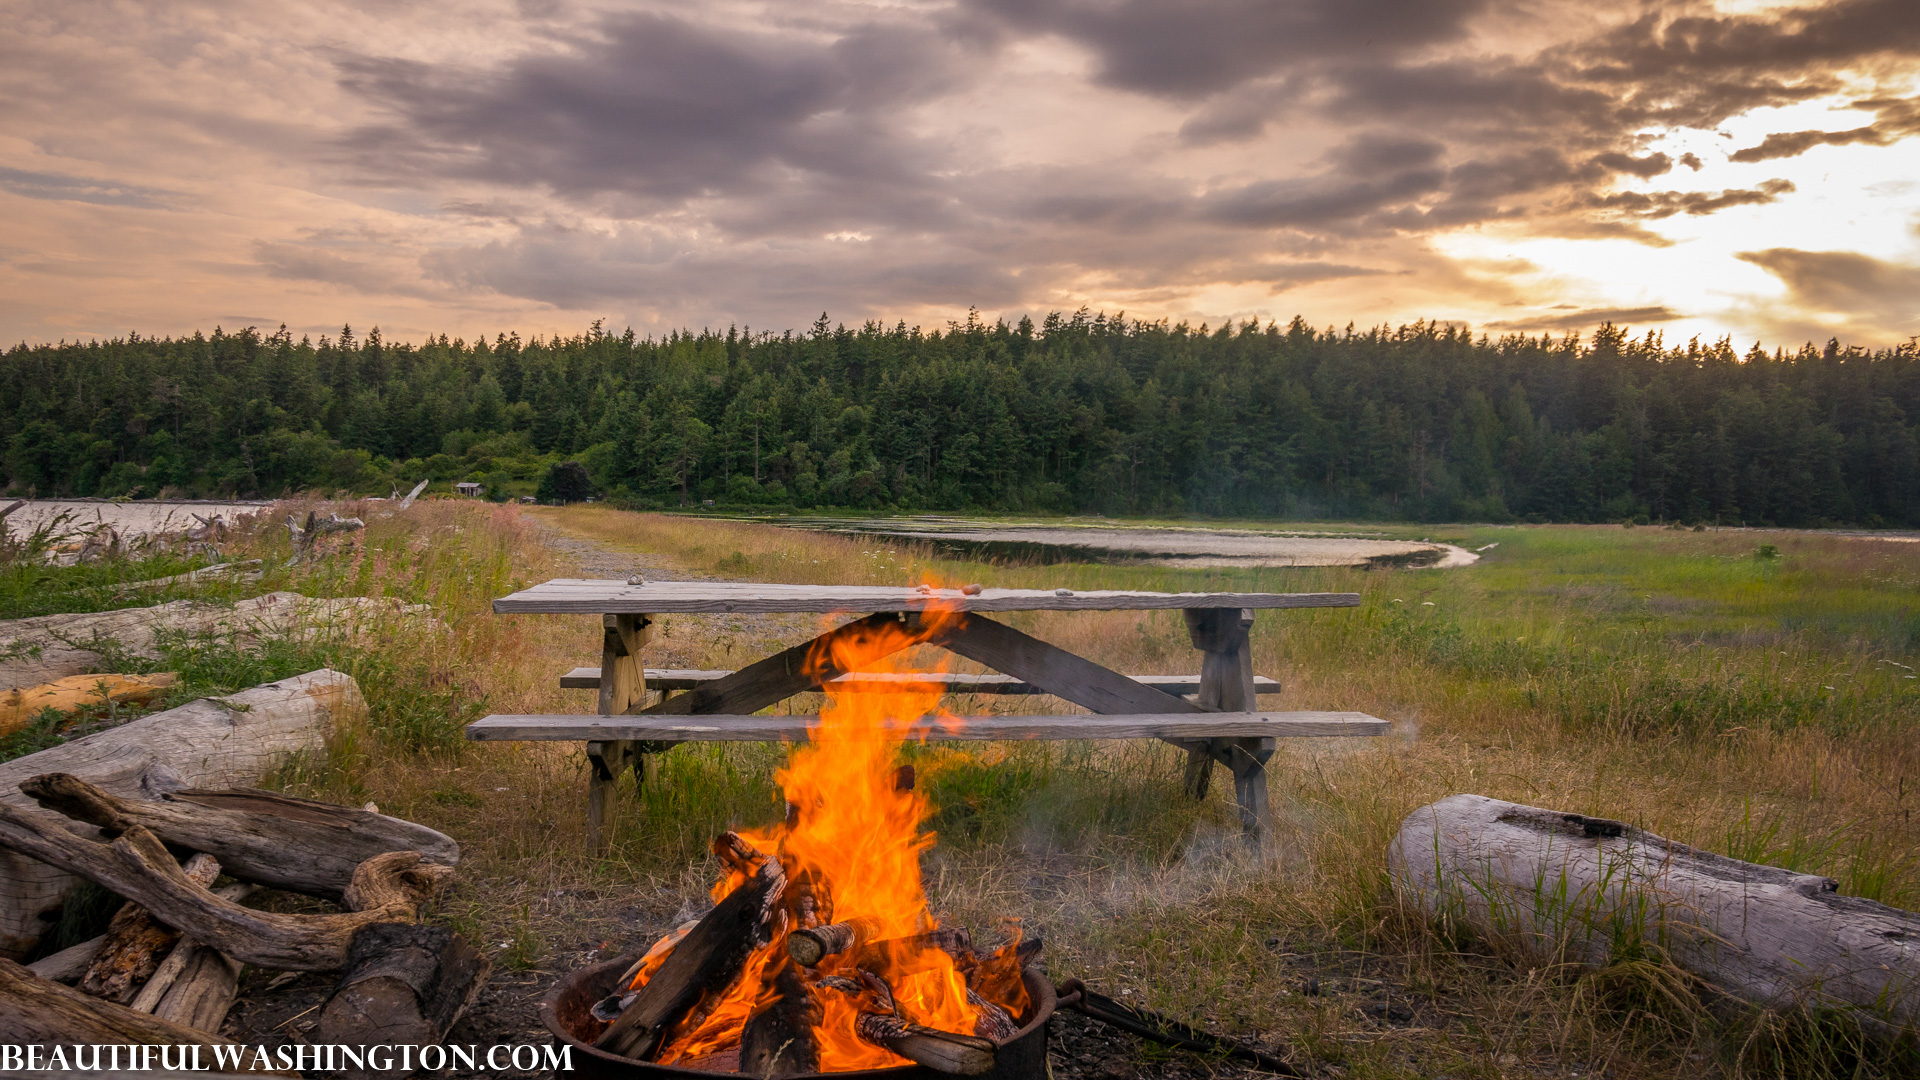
(1080, 414)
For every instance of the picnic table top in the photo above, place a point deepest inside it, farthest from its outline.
(591, 596)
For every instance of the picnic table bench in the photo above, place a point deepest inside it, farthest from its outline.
(1220, 723)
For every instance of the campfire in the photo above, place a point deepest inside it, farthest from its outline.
(820, 954)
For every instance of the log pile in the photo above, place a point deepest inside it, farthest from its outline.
(168, 968)
(746, 986)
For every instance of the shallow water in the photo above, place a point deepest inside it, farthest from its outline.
(1149, 545)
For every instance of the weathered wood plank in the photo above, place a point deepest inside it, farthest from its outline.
(583, 596)
(736, 728)
(1057, 671)
(772, 680)
(588, 678)
(1226, 683)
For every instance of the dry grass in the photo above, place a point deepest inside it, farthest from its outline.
(1668, 679)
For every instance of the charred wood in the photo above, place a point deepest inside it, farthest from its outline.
(707, 960)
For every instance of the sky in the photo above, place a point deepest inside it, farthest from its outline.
(1740, 168)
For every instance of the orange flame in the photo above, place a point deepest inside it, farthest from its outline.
(859, 837)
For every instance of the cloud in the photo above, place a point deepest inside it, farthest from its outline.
(755, 161)
(1580, 320)
(44, 185)
(1188, 49)
(1846, 282)
(1656, 205)
(1898, 120)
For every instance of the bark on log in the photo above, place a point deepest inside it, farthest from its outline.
(385, 888)
(137, 942)
(941, 1051)
(403, 983)
(279, 841)
(778, 1040)
(207, 743)
(1566, 885)
(706, 961)
(36, 1010)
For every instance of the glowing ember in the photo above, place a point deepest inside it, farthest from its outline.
(850, 848)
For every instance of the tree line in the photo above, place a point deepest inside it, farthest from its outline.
(1079, 413)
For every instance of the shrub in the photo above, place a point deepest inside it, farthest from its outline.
(566, 482)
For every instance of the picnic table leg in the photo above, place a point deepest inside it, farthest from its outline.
(623, 689)
(1226, 684)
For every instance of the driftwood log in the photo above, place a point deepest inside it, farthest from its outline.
(37, 1010)
(705, 962)
(279, 841)
(75, 692)
(137, 943)
(67, 965)
(385, 888)
(200, 997)
(1566, 885)
(403, 984)
(207, 743)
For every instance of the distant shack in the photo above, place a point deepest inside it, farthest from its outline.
(470, 489)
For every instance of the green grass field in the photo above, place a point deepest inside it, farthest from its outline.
(1751, 693)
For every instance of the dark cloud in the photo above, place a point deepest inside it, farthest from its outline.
(1656, 205)
(1845, 281)
(665, 110)
(1188, 49)
(1898, 119)
(1645, 168)
(1580, 320)
(45, 185)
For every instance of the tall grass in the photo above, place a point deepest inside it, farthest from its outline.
(1750, 701)
(1755, 705)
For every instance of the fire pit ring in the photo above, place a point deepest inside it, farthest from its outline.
(565, 1012)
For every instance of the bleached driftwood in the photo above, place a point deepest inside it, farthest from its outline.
(49, 647)
(207, 743)
(1566, 885)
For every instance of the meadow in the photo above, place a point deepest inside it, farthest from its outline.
(1752, 693)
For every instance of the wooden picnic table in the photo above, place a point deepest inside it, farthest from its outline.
(1221, 723)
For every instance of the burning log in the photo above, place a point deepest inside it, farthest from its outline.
(386, 888)
(880, 1024)
(778, 1040)
(941, 1051)
(808, 947)
(707, 960)
(279, 841)
(136, 942)
(403, 984)
(995, 1023)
